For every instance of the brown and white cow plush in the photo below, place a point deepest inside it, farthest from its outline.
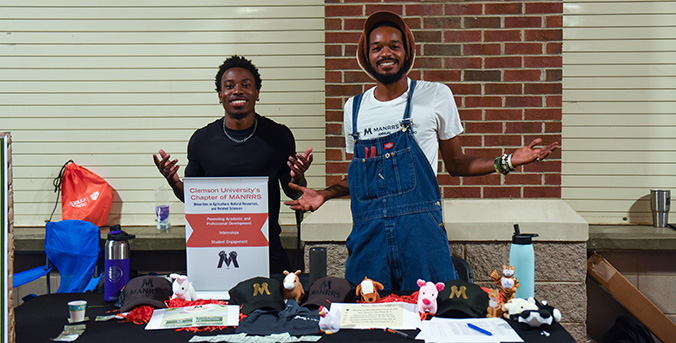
(293, 289)
(367, 290)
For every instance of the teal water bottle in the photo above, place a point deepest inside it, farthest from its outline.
(522, 257)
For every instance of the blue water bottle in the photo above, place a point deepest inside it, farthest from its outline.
(522, 257)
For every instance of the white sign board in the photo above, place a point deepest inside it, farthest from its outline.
(226, 232)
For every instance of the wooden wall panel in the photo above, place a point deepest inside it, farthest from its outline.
(109, 83)
(619, 107)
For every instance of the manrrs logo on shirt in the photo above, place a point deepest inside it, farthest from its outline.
(381, 130)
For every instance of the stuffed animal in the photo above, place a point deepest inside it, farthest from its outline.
(427, 296)
(515, 306)
(543, 317)
(182, 288)
(293, 289)
(494, 309)
(507, 282)
(329, 322)
(367, 290)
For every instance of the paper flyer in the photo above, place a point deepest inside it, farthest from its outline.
(399, 315)
(226, 232)
(459, 330)
(199, 315)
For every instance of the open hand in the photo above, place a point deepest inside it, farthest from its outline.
(310, 199)
(299, 165)
(528, 154)
(167, 168)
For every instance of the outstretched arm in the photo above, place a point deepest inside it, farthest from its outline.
(459, 164)
(311, 199)
(169, 170)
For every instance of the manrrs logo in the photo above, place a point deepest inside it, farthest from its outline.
(381, 130)
(260, 289)
(458, 292)
(147, 283)
(228, 259)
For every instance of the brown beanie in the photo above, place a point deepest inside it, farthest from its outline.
(371, 22)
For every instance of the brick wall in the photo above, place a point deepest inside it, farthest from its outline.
(501, 59)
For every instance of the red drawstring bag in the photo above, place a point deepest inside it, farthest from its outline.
(84, 195)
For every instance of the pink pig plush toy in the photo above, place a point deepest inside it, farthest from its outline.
(427, 296)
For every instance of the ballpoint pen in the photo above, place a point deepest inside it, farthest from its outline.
(483, 331)
(397, 332)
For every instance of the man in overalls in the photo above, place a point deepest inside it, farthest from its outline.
(395, 131)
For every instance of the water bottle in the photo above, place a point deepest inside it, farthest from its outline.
(522, 257)
(116, 264)
(162, 208)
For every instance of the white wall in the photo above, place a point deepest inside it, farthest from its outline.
(108, 83)
(619, 107)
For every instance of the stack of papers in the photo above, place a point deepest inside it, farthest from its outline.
(486, 330)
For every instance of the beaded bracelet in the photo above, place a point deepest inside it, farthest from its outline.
(496, 165)
(503, 164)
(509, 162)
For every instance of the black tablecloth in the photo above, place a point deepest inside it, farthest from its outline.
(44, 317)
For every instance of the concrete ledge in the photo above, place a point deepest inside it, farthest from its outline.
(148, 238)
(468, 220)
(494, 219)
(631, 237)
(330, 223)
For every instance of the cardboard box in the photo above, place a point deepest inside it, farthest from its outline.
(631, 298)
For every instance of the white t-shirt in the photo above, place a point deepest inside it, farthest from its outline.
(433, 111)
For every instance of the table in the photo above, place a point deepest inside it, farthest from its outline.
(43, 318)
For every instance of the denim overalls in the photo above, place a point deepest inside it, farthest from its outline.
(398, 235)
